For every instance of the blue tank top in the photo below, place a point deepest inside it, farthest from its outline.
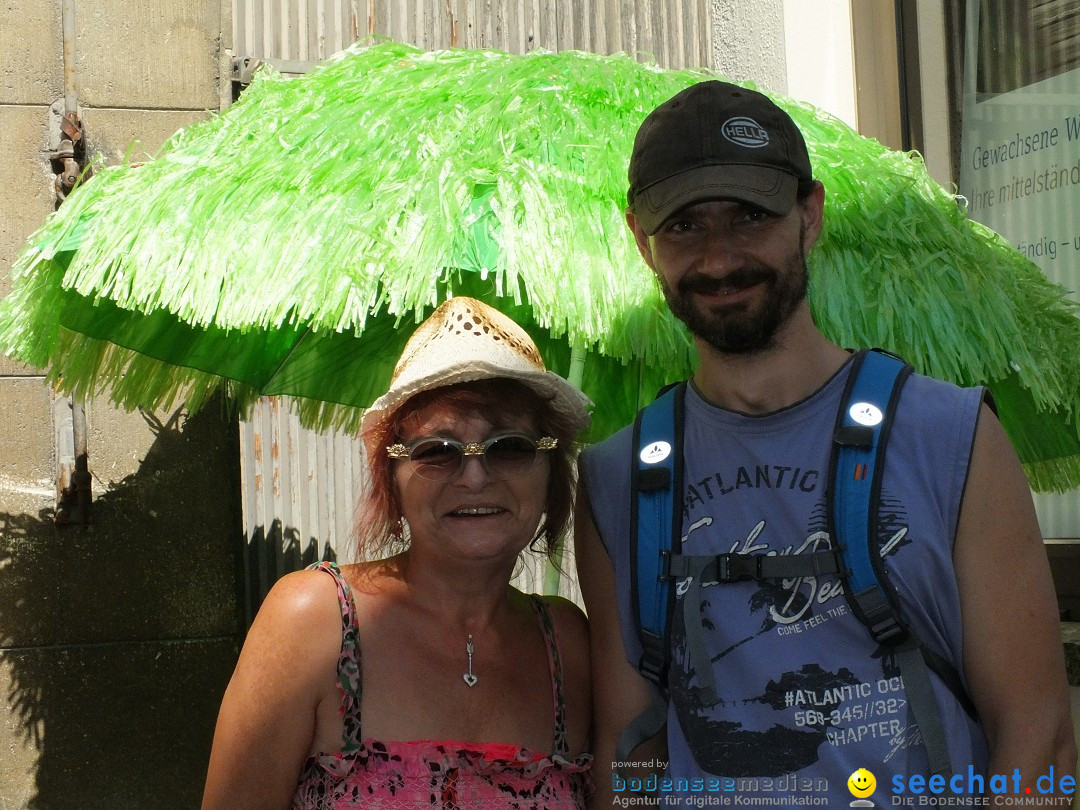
(806, 696)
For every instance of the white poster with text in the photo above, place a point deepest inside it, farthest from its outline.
(1020, 172)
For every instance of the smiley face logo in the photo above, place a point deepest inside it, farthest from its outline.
(861, 783)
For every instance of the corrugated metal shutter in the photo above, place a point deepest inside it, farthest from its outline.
(676, 32)
(300, 30)
(299, 488)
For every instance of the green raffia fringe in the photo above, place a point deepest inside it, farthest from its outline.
(289, 245)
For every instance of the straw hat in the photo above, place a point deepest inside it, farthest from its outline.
(466, 340)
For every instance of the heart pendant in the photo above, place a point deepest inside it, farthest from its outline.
(469, 678)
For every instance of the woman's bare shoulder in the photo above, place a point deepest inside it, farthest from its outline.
(564, 608)
(301, 596)
(569, 620)
(298, 624)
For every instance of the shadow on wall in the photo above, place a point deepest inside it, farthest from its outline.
(117, 639)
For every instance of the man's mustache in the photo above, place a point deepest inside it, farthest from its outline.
(744, 277)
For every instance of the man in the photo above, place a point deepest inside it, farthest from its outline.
(724, 209)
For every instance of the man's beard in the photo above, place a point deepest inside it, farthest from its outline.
(745, 329)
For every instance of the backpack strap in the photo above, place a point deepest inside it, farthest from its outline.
(655, 525)
(655, 531)
(863, 425)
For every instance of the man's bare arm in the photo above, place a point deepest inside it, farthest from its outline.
(1013, 654)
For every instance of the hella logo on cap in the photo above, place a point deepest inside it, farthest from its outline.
(745, 132)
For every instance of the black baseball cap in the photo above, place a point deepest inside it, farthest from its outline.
(715, 141)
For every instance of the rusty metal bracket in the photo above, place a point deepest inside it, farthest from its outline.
(67, 150)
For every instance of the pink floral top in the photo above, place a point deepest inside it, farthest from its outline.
(438, 774)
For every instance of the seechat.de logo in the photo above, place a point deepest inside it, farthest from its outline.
(745, 132)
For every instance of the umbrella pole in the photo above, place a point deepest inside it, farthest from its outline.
(553, 566)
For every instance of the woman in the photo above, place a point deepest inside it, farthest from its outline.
(423, 679)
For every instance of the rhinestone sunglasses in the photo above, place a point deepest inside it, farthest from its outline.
(504, 457)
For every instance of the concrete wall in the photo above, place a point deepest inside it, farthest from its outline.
(116, 639)
(748, 42)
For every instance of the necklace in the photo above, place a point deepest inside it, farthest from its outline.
(469, 677)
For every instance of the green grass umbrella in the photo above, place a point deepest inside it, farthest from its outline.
(289, 245)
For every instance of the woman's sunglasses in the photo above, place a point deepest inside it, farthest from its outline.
(504, 457)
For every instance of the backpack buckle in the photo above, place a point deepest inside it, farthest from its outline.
(889, 633)
(879, 617)
(737, 567)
